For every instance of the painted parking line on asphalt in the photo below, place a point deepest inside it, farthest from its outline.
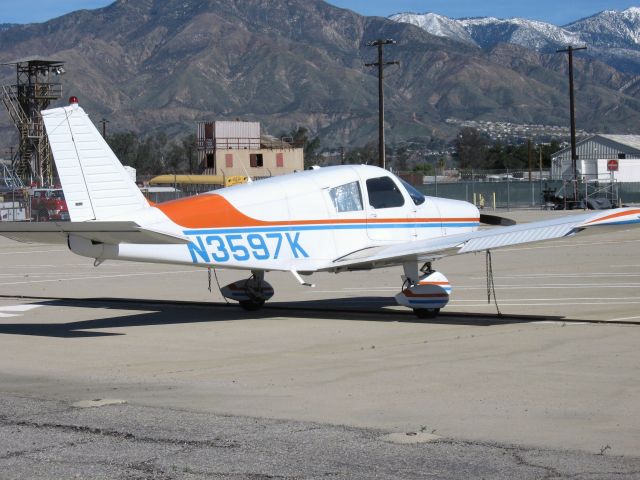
(556, 286)
(7, 311)
(99, 277)
(622, 319)
(29, 252)
(556, 245)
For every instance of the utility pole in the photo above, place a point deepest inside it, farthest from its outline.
(104, 122)
(574, 156)
(530, 157)
(380, 64)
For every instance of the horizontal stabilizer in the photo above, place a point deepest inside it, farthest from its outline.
(99, 232)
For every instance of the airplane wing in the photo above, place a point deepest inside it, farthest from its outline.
(100, 232)
(489, 239)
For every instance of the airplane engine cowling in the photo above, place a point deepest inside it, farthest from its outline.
(432, 291)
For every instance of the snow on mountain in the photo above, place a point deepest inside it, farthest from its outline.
(610, 29)
(541, 36)
(437, 25)
(486, 32)
(611, 36)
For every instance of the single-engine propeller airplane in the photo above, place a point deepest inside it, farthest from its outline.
(333, 219)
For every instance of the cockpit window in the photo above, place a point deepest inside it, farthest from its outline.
(347, 197)
(417, 197)
(384, 193)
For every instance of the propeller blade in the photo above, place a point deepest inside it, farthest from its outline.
(495, 220)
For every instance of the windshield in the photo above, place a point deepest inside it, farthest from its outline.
(384, 193)
(417, 197)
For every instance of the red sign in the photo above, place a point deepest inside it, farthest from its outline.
(612, 165)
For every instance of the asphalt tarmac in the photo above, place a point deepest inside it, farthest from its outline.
(138, 371)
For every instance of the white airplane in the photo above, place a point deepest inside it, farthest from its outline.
(333, 219)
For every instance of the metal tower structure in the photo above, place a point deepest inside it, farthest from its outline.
(36, 87)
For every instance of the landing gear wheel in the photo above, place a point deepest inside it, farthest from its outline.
(251, 294)
(251, 305)
(426, 312)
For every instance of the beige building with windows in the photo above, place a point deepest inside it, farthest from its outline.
(239, 149)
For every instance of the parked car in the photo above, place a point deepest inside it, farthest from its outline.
(48, 204)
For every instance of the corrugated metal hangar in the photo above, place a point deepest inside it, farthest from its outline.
(601, 157)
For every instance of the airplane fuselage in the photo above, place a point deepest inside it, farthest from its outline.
(303, 221)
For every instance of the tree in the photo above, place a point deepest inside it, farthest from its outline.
(471, 148)
(516, 157)
(124, 145)
(311, 146)
(155, 154)
(424, 168)
(189, 145)
(366, 155)
(401, 163)
(495, 158)
(176, 161)
(548, 149)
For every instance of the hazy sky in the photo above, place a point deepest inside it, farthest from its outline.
(553, 11)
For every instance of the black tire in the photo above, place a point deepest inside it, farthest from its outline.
(251, 305)
(426, 312)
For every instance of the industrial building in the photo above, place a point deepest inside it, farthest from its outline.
(235, 148)
(37, 85)
(600, 158)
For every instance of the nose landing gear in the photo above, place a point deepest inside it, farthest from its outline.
(426, 294)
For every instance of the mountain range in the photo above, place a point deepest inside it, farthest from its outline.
(611, 36)
(161, 65)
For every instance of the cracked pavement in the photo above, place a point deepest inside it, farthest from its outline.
(44, 439)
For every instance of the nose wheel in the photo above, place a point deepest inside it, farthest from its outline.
(426, 312)
(425, 291)
(251, 305)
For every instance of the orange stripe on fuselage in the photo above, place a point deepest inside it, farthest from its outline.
(615, 215)
(206, 211)
(215, 211)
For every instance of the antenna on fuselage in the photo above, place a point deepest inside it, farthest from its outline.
(249, 179)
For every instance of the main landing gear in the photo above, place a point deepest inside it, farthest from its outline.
(250, 293)
(425, 291)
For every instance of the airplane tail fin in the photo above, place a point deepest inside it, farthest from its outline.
(96, 186)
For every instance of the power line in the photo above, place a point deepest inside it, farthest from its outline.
(574, 156)
(380, 64)
(104, 122)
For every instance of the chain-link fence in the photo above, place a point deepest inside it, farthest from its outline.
(521, 194)
(513, 189)
(490, 195)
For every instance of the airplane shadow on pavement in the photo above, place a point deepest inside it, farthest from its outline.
(149, 312)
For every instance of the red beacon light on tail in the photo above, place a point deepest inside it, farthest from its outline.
(73, 100)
